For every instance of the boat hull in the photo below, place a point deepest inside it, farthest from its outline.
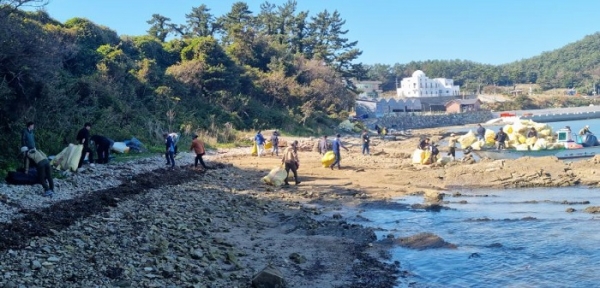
(560, 154)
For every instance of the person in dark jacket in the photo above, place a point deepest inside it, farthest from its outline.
(169, 150)
(27, 137)
(336, 145)
(500, 140)
(480, 132)
(103, 146)
(366, 140)
(39, 159)
(423, 144)
(83, 138)
(275, 142)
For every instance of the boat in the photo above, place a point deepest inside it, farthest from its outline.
(572, 150)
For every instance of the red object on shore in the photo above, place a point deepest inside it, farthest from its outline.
(507, 114)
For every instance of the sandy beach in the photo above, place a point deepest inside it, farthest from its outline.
(153, 227)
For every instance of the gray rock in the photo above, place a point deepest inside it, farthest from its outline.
(269, 277)
(35, 265)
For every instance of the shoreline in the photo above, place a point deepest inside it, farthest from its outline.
(226, 225)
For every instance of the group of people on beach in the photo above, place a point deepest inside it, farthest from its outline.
(197, 146)
(290, 159)
(33, 157)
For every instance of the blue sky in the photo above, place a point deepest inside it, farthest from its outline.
(393, 31)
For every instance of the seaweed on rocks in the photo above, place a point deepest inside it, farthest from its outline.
(60, 215)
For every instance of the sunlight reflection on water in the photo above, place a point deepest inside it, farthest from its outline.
(524, 238)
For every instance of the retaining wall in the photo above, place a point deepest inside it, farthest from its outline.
(403, 121)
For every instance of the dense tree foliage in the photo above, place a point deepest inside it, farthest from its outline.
(275, 68)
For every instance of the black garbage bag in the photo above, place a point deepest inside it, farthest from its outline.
(20, 178)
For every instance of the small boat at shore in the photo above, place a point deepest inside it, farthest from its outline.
(562, 154)
(571, 150)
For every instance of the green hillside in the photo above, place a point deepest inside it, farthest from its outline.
(576, 65)
(275, 68)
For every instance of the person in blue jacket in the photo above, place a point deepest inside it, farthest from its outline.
(336, 145)
(260, 143)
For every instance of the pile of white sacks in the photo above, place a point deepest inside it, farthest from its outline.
(517, 137)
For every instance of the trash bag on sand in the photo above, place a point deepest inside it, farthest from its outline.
(540, 144)
(120, 147)
(426, 157)
(68, 158)
(444, 160)
(276, 177)
(467, 139)
(268, 145)
(477, 145)
(490, 136)
(328, 159)
(418, 156)
(531, 141)
(254, 151)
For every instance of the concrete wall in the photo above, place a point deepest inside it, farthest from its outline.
(428, 121)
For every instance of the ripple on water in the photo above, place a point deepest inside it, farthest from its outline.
(517, 238)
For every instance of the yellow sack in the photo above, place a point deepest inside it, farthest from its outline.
(521, 139)
(508, 129)
(522, 147)
(489, 137)
(254, 149)
(418, 156)
(545, 132)
(328, 159)
(268, 145)
(426, 157)
(68, 158)
(276, 177)
(467, 139)
(477, 145)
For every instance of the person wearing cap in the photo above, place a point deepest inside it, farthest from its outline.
(83, 138)
(198, 148)
(336, 145)
(27, 137)
(275, 143)
(291, 162)
(40, 160)
(452, 146)
(585, 130)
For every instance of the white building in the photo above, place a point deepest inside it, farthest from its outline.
(420, 85)
(368, 89)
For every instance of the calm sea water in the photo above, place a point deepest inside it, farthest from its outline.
(505, 238)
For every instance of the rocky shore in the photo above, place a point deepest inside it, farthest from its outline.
(136, 224)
